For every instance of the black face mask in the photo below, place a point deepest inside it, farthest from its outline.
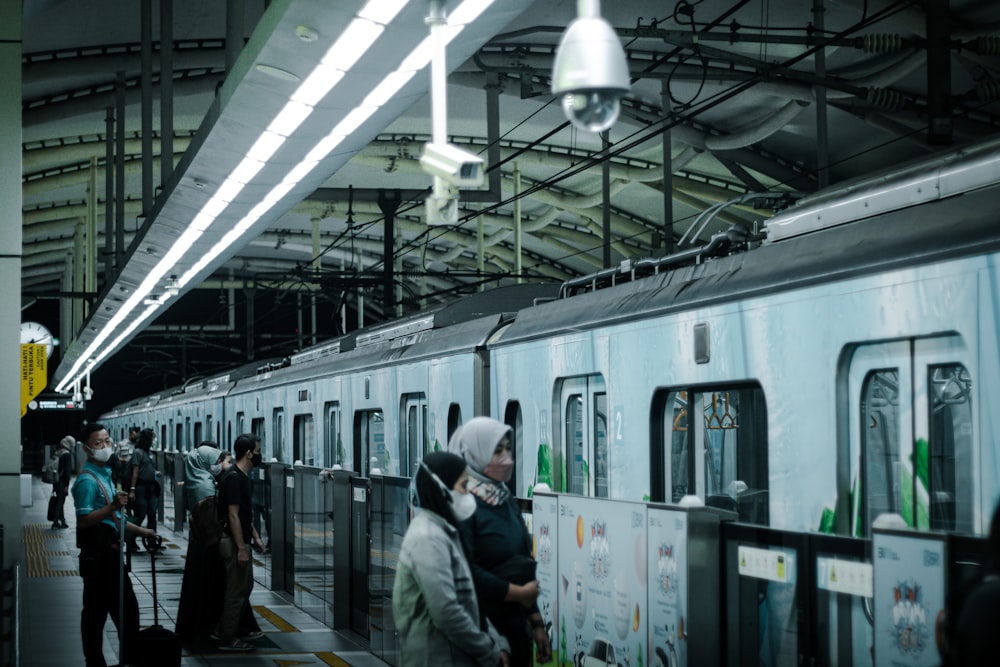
(256, 459)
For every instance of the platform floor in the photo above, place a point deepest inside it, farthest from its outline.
(52, 597)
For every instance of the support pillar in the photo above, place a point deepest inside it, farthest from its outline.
(10, 275)
(388, 206)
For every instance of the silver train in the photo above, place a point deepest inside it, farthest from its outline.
(841, 366)
(844, 366)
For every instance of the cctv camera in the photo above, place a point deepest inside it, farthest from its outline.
(590, 74)
(458, 167)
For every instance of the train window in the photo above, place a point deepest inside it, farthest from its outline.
(241, 423)
(721, 457)
(880, 443)
(333, 444)
(186, 441)
(583, 405)
(209, 422)
(278, 435)
(304, 440)
(950, 435)
(413, 440)
(454, 419)
(197, 435)
(163, 437)
(512, 418)
(179, 437)
(369, 443)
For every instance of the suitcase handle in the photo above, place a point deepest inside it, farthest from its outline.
(152, 544)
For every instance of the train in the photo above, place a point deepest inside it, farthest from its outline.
(839, 365)
(836, 365)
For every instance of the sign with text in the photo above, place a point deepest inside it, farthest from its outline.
(34, 373)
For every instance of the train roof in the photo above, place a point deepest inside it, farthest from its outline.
(937, 229)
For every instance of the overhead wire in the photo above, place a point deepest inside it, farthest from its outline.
(630, 141)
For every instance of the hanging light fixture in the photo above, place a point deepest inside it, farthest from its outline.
(590, 71)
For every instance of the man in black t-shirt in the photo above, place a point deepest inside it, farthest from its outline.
(235, 504)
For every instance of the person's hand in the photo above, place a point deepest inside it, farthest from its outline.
(258, 546)
(243, 556)
(121, 500)
(528, 593)
(544, 647)
(504, 659)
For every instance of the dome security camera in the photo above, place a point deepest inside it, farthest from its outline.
(590, 74)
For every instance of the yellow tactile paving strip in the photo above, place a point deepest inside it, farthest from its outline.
(279, 623)
(332, 660)
(36, 556)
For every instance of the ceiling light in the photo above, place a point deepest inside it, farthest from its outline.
(276, 72)
(590, 72)
(306, 34)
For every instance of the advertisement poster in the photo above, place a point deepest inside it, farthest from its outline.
(602, 583)
(544, 527)
(668, 586)
(909, 580)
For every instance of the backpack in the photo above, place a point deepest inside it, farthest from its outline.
(50, 472)
(946, 624)
(205, 524)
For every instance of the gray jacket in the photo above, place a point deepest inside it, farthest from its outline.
(434, 601)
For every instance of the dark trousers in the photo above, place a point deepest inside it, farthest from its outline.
(147, 502)
(239, 585)
(60, 502)
(100, 572)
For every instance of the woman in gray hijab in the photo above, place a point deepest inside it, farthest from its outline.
(204, 578)
(499, 541)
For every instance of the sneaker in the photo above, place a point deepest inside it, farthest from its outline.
(215, 636)
(237, 645)
(251, 636)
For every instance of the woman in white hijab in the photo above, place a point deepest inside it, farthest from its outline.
(500, 544)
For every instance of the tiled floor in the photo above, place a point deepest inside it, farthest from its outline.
(52, 593)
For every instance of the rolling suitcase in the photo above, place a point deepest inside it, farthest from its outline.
(156, 646)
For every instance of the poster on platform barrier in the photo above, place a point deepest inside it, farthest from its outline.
(909, 592)
(668, 586)
(544, 512)
(602, 582)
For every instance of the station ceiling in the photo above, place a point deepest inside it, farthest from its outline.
(728, 98)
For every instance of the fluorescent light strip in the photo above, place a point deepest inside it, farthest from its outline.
(318, 84)
(289, 118)
(344, 53)
(468, 11)
(382, 11)
(390, 86)
(266, 146)
(246, 170)
(352, 44)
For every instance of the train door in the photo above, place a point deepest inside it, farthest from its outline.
(369, 441)
(911, 436)
(584, 429)
(278, 435)
(413, 433)
(304, 440)
(333, 444)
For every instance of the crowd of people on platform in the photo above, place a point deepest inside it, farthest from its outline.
(465, 589)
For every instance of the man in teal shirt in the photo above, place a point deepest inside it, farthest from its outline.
(98, 510)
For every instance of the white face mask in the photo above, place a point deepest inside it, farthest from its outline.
(215, 469)
(463, 505)
(101, 455)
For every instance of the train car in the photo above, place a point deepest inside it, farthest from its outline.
(837, 366)
(378, 399)
(843, 369)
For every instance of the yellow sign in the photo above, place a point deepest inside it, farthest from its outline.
(34, 373)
